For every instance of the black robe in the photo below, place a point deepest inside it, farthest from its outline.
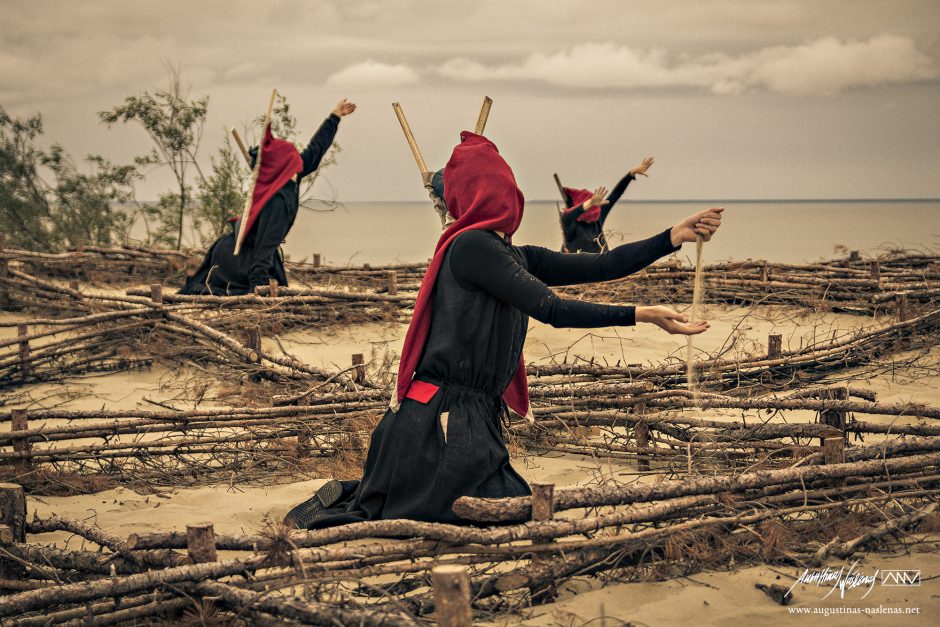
(482, 300)
(588, 237)
(221, 272)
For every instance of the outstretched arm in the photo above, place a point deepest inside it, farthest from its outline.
(481, 260)
(561, 269)
(323, 138)
(555, 268)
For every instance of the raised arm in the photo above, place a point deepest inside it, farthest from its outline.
(622, 184)
(323, 138)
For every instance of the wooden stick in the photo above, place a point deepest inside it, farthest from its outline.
(410, 138)
(254, 178)
(561, 189)
(484, 115)
(241, 146)
(694, 315)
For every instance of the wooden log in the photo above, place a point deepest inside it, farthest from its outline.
(520, 507)
(20, 422)
(273, 288)
(451, 586)
(156, 294)
(642, 433)
(13, 509)
(200, 543)
(253, 338)
(392, 282)
(4, 277)
(875, 270)
(542, 510)
(359, 362)
(22, 330)
(774, 346)
(298, 611)
(834, 418)
(834, 453)
(542, 501)
(316, 260)
(854, 256)
(903, 306)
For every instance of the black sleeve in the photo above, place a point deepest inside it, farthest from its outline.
(319, 144)
(270, 230)
(570, 269)
(481, 260)
(569, 222)
(615, 195)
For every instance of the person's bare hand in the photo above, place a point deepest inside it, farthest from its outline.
(642, 168)
(670, 321)
(597, 199)
(344, 107)
(703, 223)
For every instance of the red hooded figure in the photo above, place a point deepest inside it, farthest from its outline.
(578, 196)
(481, 193)
(279, 162)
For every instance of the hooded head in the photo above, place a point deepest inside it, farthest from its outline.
(279, 162)
(480, 188)
(577, 197)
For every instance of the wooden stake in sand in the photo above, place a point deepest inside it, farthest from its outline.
(484, 115)
(694, 315)
(254, 178)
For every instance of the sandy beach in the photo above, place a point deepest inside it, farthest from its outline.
(722, 597)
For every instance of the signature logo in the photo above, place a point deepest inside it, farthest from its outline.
(847, 579)
(840, 580)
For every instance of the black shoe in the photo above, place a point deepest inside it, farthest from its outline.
(305, 513)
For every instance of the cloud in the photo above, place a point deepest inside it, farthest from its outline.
(372, 73)
(827, 65)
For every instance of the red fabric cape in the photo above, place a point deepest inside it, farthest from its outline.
(279, 161)
(578, 196)
(481, 193)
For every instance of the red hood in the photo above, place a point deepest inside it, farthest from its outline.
(279, 161)
(481, 193)
(578, 196)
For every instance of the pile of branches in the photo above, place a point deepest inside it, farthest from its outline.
(364, 573)
(107, 331)
(126, 265)
(899, 283)
(66, 450)
(891, 282)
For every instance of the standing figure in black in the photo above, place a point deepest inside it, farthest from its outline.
(582, 222)
(461, 364)
(222, 272)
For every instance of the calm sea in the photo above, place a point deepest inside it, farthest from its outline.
(786, 231)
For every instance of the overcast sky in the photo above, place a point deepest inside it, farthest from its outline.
(734, 98)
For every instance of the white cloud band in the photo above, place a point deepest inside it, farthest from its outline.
(827, 65)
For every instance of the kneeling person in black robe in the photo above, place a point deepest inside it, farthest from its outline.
(461, 363)
(222, 273)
